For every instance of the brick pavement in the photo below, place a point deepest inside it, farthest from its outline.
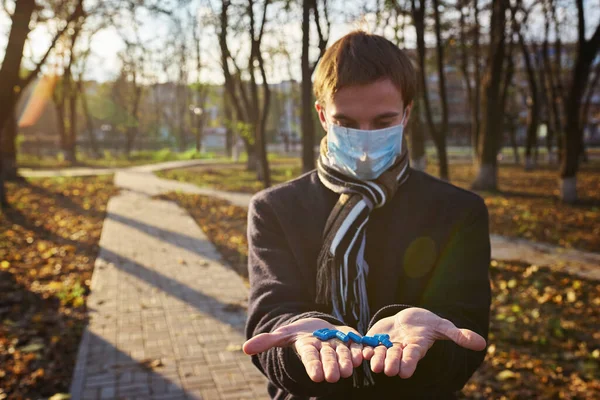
(166, 315)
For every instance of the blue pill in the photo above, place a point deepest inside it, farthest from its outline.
(381, 336)
(354, 337)
(370, 341)
(342, 336)
(387, 343)
(325, 334)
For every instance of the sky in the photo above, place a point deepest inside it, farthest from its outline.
(104, 63)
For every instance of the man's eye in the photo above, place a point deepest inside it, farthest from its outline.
(383, 124)
(345, 124)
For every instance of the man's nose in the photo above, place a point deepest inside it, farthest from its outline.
(366, 126)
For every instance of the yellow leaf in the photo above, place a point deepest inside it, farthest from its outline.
(60, 396)
(4, 264)
(233, 347)
(54, 286)
(78, 301)
(506, 374)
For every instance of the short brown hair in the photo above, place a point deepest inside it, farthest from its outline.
(360, 58)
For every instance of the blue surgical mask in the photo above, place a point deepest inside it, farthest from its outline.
(363, 154)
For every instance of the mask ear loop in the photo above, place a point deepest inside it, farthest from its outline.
(403, 117)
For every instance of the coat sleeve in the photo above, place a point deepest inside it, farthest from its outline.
(278, 296)
(458, 290)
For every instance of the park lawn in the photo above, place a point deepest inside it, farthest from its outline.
(48, 243)
(543, 338)
(526, 205)
(111, 161)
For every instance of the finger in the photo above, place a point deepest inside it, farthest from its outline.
(311, 358)
(392, 360)
(378, 360)
(357, 354)
(344, 360)
(330, 363)
(368, 352)
(462, 337)
(264, 341)
(411, 355)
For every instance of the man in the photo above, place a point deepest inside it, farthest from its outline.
(365, 244)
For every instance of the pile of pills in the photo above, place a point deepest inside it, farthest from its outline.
(373, 341)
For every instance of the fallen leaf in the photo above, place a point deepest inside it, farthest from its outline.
(233, 347)
(31, 348)
(506, 374)
(60, 396)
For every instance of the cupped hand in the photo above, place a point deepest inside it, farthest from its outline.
(323, 360)
(413, 331)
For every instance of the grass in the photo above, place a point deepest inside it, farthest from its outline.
(526, 205)
(109, 160)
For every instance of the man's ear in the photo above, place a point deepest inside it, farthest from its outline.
(321, 113)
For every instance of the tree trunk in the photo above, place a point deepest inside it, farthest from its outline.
(3, 200)
(586, 52)
(418, 14)
(10, 82)
(534, 107)
(89, 122)
(229, 139)
(9, 149)
(440, 136)
(473, 106)
(417, 138)
(491, 124)
(550, 141)
(261, 137)
(129, 139)
(199, 130)
(531, 141)
(513, 142)
(476, 106)
(72, 131)
(251, 162)
(308, 128)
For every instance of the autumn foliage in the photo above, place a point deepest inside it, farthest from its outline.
(48, 244)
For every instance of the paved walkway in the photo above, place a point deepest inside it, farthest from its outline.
(167, 316)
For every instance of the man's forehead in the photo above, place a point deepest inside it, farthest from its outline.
(365, 101)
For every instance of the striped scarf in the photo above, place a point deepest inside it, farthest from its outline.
(342, 268)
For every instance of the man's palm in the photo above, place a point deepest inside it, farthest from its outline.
(323, 360)
(413, 331)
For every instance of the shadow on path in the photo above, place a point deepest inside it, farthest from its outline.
(201, 247)
(232, 314)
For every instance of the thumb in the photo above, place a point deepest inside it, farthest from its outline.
(463, 337)
(265, 341)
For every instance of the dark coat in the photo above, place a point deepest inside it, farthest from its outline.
(428, 247)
